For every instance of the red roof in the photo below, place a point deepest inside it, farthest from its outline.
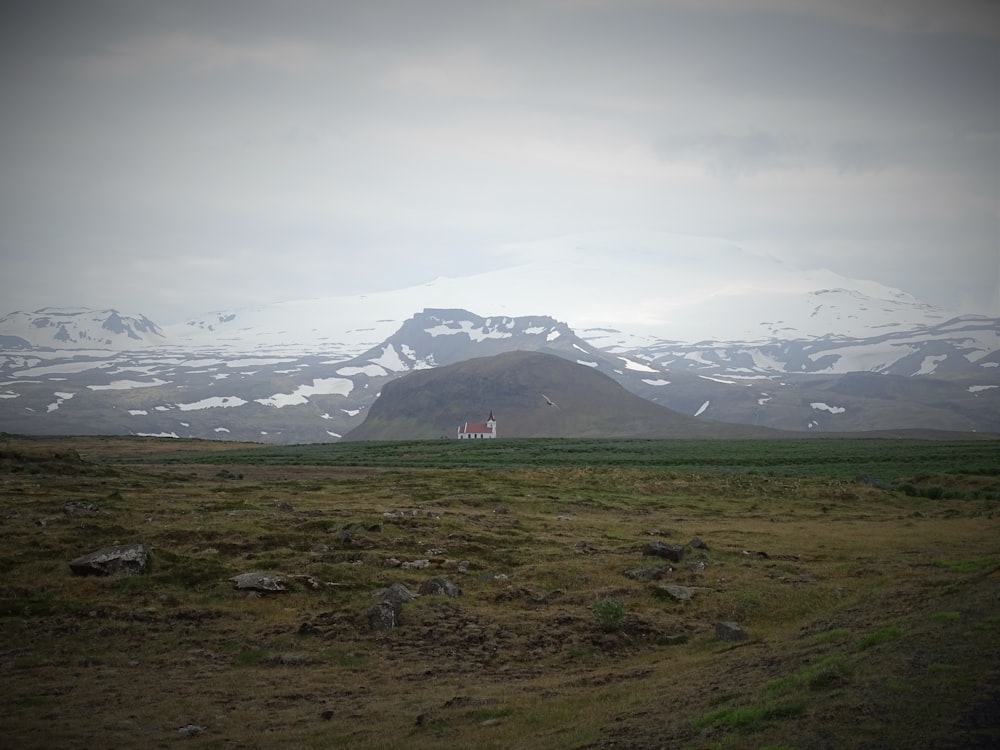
(471, 427)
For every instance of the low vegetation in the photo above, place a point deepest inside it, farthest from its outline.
(871, 613)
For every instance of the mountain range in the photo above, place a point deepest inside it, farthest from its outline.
(250, 375)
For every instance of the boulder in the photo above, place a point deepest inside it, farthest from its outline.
(673, 552)
(680, 593)
(730, 631)
(648, 574)
(260, 582)
(439, 586)
(397, 592)
(384, 615)
(125, 559)
(697, 543)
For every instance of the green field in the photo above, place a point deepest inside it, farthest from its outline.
(866, 574)
(881, 461)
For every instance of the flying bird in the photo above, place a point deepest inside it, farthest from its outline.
(549, 401)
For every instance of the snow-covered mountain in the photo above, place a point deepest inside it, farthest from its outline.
(681, 296)
(77, 328)
(314, 397)
(781, 348)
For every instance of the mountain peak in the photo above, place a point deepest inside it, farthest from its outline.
(79, 328)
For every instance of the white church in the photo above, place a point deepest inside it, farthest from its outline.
(475, 430)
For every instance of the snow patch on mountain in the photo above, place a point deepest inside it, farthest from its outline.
(213, 402)
(819, 405)
(319, 386)
(372, 371)
(124, 385)
(467, 327)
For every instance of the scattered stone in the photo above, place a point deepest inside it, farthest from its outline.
(127, 559)
(440, 586)
(191, 730)
(393, 562)
(416, 564)
(585, 548)
(680, 593)
(673, 552)
(730, 631)
(73, 506)
(761, 555)
(463, 566)
(258, 582)
(283, 505)
(436, 552)
(397, 592)
(697, 543)
(649, 573)
(564, 517)
(501, 510)
(697, 566)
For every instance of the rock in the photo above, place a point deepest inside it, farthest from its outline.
(648, 574)
(260, 582)
(463, 566)
(416, 564)
(127, 559)
(730, 631)
(440, 586)
(697, 543)
(585, 548)
(384, 615)
(673, 552)
(397, 592)
(680, 593)
(191, 730)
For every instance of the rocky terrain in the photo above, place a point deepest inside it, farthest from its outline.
(265, 600)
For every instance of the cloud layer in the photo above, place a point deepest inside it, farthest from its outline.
(169, 158)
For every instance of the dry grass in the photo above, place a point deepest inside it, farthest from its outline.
(874, 618)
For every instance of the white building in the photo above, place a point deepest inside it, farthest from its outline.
(471, 430)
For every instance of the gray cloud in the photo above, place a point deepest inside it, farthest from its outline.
(192, 155)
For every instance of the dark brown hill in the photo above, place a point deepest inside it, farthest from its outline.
(432, 403)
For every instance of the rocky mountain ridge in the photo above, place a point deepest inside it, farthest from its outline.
(942, 376)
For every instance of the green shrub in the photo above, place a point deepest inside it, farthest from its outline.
(610, 614)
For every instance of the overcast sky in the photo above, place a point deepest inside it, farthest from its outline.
(175, 157)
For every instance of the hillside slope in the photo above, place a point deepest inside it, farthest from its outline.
(517, 387)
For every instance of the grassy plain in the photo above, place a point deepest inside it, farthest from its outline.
(866, 573)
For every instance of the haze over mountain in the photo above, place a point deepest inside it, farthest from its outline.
(714, 291)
